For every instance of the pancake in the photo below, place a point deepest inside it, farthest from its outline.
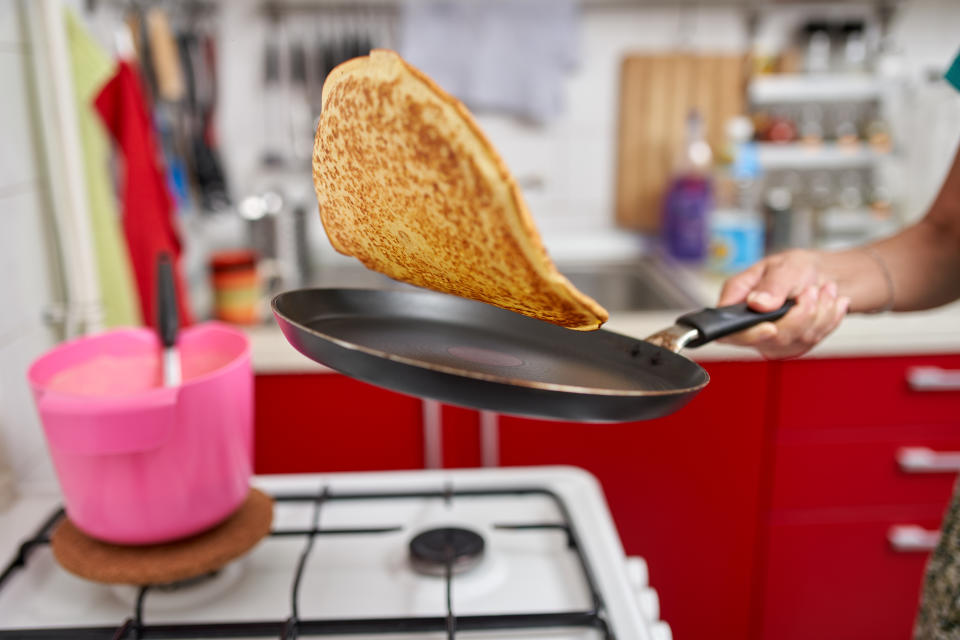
(408, 184)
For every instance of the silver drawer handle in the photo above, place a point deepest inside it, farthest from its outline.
(907, 538)
(933, 379)
(924, 460)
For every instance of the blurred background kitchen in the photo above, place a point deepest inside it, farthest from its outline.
(660, 146)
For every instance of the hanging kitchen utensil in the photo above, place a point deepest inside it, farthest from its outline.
(300, 116)
(471, 354)
(274, 101)
(198, 56)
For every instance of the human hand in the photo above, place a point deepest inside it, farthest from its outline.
(768, 284)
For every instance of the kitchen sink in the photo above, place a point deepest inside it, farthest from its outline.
(638, 285)
(644, 284)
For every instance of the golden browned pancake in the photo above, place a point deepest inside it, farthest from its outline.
(408, 184)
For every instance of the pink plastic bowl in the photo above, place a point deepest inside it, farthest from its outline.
(154, 464)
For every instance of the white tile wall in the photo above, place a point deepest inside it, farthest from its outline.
(930, 125)
(18, 167)
(25, 284)
(10, 36)
(19, 424)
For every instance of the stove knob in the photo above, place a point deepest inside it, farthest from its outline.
(637, 572)
(649, 603)
(661, 631)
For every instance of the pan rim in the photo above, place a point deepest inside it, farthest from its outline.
(476, 375)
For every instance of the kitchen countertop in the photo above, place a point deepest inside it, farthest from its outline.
(936, 331)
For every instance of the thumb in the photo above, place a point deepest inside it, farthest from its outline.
(737, 288)
(773, 289)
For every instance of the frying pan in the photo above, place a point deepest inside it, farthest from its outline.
(475, 355)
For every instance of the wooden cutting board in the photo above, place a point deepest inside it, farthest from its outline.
(656, 94)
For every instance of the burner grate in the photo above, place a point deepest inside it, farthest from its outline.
(134, 627)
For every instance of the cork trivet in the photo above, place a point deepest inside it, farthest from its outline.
(168, 562)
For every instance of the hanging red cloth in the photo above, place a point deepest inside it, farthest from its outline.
(147, 207)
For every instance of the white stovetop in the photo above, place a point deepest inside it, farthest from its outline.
(527, 571)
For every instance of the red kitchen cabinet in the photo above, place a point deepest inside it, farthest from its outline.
(328, 422)
(683, 491)
(461, 437)
(827, 468)
(863, 392)
(839, 488)
(835, 575)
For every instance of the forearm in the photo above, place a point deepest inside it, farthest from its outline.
(923, 260)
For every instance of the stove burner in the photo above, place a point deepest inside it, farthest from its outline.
(431, 550)
(185, 594)
(193, 622)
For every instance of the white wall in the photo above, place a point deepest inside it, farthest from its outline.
(25, 277)
(929, 126)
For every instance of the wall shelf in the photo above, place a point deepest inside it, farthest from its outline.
(800, 88)
(828, 156)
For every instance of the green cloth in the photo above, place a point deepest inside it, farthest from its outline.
(953, 73)
(91, 67)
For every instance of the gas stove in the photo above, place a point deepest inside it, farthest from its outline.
(486, 553)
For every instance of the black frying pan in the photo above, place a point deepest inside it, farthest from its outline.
(476, 355)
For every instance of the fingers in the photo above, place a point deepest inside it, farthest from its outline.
(792, 327)
(753, 336)
(817, 313)
(736, 288)
(836, 314)
(770, 337)
(767, 285)
(826, 310)
(785, 276)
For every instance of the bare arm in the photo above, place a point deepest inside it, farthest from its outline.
(923, 261)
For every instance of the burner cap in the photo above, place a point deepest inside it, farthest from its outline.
(432, 549)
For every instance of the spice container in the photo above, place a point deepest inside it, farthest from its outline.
(236, 286)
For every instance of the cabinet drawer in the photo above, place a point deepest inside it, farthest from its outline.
(842, 579)
(861, 467)
(870, 392)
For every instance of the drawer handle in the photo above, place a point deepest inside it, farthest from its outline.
(909, 538)
(933, 379)
(924, 460)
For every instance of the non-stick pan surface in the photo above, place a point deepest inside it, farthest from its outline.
(475, 355)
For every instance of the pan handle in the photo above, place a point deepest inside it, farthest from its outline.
(712, 324)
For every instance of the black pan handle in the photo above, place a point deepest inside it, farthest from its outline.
(723, 321)
(167, 319)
